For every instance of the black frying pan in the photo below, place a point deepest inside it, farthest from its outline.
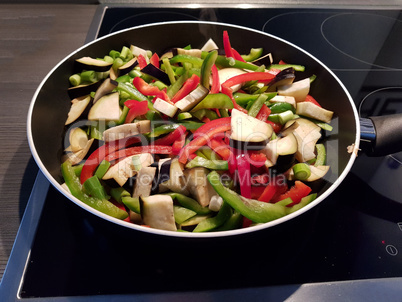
(51, 103)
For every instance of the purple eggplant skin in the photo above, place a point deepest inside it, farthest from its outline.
(82, 65)
(285, 77)
(81, 90)
(248, 146)
(156, 73)
(126, 68)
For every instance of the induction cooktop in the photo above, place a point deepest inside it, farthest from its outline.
(350, 247)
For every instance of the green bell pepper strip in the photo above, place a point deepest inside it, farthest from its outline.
(123, 116)
(200, 114)
(303, 202)
(285, 66)
(118, 193)
(257, 104)
(196, 62)
(189, 203)
(169, 70)
(252, 209)
(213, 222)
(210, 154)
(254, 54)
(167, 128)
(78, 169)
(124, 79)
(182, 214)
(216, 100)
(206, 68)
(163, 129)
(132, 203)
(102, 169)
(235, 221)
(75, 187)
(184, 116)
(175, 87)
(244, 98)
(191, 125)
(281, 107)
(199, 161)
(230, 62)
(130, 90)
(321, 155)
(93, 187)
(200, 154)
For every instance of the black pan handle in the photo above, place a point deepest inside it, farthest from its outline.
(381, 135)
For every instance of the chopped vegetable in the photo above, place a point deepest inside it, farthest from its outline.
(192, 140)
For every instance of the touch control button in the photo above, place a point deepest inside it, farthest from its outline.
(400, 225)
(392, 250)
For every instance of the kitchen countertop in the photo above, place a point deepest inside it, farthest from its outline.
(33, 38)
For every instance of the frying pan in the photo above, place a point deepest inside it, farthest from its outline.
(51, 103)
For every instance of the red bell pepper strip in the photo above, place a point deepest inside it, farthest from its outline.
(150, 90)
(188, 86)
(153, 149)
(242, 78)
(249, 76)
(226, 45)
(237, 56)
(142, 62)
(229, 92)
(276, 126)
(136, 108)
(246, 222)
(221, 148)
(204, 134)
(261, 179)
(269, 192)
(171, 137)
(154, 60)
(244, 175)
(179, 144)
(281, 62)
(263, 113)
(93, 161)
(256, 191)
(310, 99)
(211, 125)
(257, 159)
(121, 207)
(215, 87)
(296, 193)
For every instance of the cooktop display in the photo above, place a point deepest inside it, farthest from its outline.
(354, 235)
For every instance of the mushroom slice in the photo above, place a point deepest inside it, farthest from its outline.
(126, 130)
(76, 157)
(78, 139)
(128, 167)
(317, 172)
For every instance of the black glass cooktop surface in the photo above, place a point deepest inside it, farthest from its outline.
(350, 245)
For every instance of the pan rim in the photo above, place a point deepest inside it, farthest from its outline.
(230, 233)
